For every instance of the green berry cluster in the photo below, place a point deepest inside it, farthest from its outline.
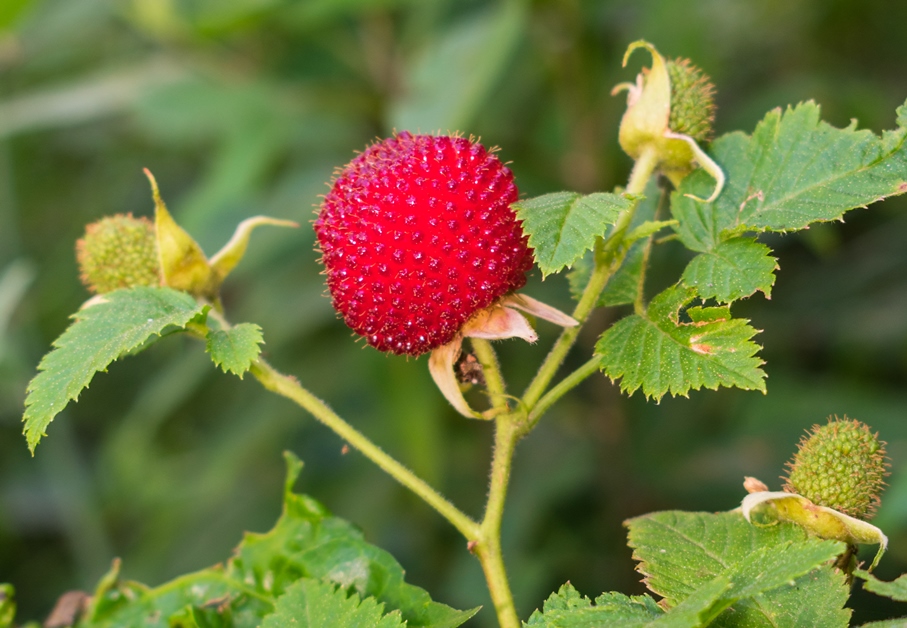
(840, 465)
(692, 100)
(118, 252)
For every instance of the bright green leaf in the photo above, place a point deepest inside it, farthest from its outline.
(568, 609)
(734, 269)
(896, 589)
(564, 225)
(310, 603)
(780, 576)
(306, 542)
(236, 348)
(122, 322)
(660, 353)
(794, 170)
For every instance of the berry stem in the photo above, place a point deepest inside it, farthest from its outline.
(609, 254)
(491, 370)
(488, 546)
(288, 387)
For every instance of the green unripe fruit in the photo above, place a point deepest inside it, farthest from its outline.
(118, 252)
(692, 100)
(840, 465)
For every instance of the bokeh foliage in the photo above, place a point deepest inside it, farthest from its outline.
(246, 107)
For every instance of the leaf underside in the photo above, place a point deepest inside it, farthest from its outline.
(122, 323)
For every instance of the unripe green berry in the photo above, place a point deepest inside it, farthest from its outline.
(692, 100)
(118, 252)
(840, 465)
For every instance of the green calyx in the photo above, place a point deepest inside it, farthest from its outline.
(840, 465)
(692, 100)
(118, 252)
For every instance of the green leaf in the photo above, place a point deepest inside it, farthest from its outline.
(311, 603)
(794, 170)
(564, 225)
(122, 322)
(567, 609)
(236, 348)
(659, 353)
(779, 576)
(896, 589)
(734, 269)
(7, 605)
(306, 543)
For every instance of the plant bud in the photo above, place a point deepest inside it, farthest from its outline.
(840, 465)
(118, 252)
(669, 109)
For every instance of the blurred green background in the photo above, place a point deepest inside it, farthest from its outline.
(243, 107)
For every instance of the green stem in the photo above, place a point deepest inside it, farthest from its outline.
(606, 254)
(491, 370)
(488, 547)
(291, 389)
(550, 398)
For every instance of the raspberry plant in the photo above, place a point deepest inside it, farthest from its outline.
(425, 241)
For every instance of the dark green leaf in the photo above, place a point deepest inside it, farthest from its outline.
(794, 170)
(660, 353)
(896, 589)
(564, 225)
(310, 603)
(100, 334)
(734, 269)
(235, 349)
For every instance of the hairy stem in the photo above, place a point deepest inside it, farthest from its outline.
(491, 371)
(488, 548)
(606, 254)
(291, 389)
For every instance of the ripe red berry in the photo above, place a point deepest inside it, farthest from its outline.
(417, 235)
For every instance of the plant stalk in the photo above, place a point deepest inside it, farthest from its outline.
(488, 547)
(288, 387)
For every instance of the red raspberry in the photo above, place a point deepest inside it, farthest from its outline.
(417, 235)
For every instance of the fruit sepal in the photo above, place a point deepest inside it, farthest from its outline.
(764, 508)
(499, 321)
(183, 264)
(645, 125)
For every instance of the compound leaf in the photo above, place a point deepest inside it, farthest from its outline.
(234, 349)
(122, 322)
(793, 170)
(564, 225)
(310, 603)
(659, 353)
(734, 269)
